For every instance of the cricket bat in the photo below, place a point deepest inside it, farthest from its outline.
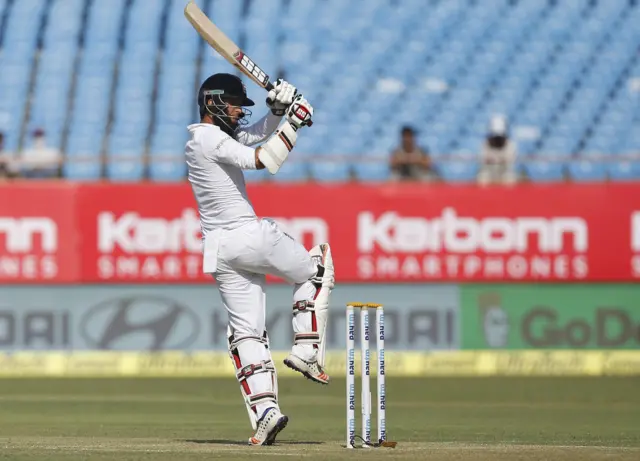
(225, 46)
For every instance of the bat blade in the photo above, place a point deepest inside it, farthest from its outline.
(225, 46)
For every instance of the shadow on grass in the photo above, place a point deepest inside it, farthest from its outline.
(244, 444)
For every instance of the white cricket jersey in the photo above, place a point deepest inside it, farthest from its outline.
(215, 162)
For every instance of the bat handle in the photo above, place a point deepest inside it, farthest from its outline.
(269, 87)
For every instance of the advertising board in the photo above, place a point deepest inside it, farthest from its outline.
(568, 316)
(192, 318)
(146, 233)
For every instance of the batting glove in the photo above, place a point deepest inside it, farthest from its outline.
(281, 96)
(300, 112)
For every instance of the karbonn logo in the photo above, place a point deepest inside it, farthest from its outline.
(313, 230)
(132, 233)
(21, 234)
(458, 234)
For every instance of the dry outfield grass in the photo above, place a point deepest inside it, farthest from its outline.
(164, 450)
(435, 419)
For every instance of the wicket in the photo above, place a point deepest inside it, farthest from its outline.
(365, 358)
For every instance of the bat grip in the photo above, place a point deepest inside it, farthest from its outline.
(269, 87)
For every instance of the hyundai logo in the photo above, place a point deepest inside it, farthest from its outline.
(140, 322)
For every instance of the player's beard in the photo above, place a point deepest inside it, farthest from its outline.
(228, 123)
(235, 120)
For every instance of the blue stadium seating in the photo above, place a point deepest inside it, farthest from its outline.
(624, 171)
(82, 170)
(167, 170)
(458, 171)
(291, 172)
(113, 82)
(373, 171)
(256, 176)
(19, 41)
(541, 171)
(329, 171)
(585, 170)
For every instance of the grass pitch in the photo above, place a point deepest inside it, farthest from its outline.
(430, 418)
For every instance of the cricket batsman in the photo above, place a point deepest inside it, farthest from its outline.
(240, 248)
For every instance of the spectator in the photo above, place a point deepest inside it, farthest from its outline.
(39, 161)
(497, 160)
(409, 162)
(4, 159)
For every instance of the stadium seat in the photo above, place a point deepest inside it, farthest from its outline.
(372, 172)
(124, 170)
(585, 170)
(256, 176)
(291, 171)
(82, 171)
(457, 171)
(624, 171)
(327, 171)
(564, 69)
(167, 171)
(544, 171)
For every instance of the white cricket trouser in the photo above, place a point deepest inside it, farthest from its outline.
(245, 255)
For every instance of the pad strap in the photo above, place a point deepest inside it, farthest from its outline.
(234, 343)
(306, 338)
(311, 337)
(303, 306)
(249, 370)
(263, 397)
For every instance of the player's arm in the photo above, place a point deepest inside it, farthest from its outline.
(259, 164)
(231, 152)
(259, 131)
(278, 100)
(273, 153)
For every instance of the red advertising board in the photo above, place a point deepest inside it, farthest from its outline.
(140, 233)
(400, 233)
(38, 233)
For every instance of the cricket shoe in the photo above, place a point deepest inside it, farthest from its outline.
(310, 369)
(269, 426)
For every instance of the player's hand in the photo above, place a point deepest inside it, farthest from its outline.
(281, 96)
(300, 112)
